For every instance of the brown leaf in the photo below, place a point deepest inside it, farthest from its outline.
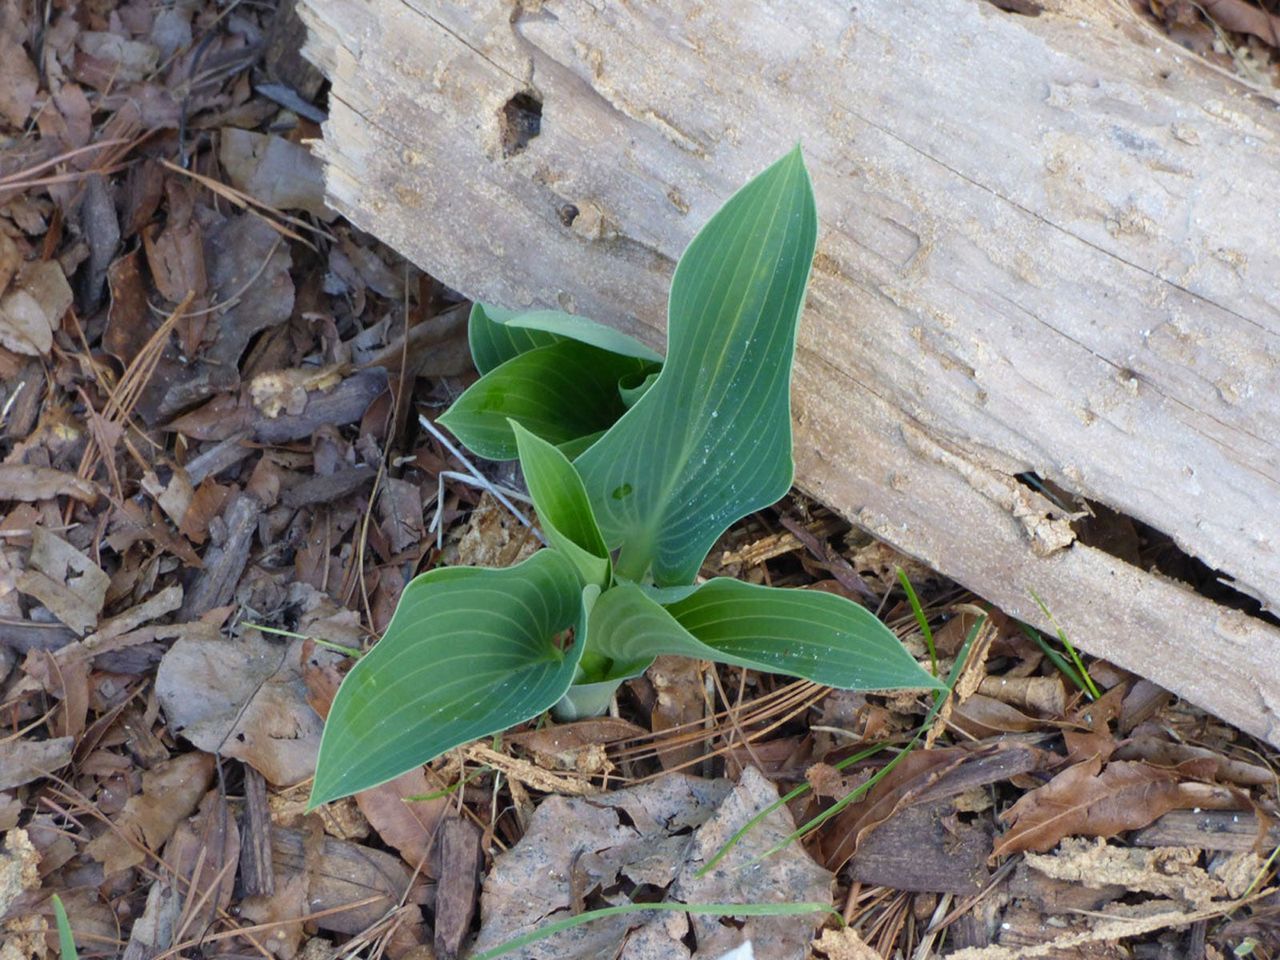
(1085, 800)
(409, 826)
(841, 835)
(243, 698)
(21, 481)
(33, 307)
(982, 716)
(71, 585)
(271, 169)
(170, 791)
(18, 82)
(22, 761)
(923, 776)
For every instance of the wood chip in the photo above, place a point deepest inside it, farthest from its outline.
(459, 883)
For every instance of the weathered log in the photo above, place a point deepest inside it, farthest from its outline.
(1048, 245)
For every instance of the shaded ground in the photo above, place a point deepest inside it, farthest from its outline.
(213, 473)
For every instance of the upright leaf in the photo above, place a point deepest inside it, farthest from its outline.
(801, 633)
(561, 392)
(469, 652)
(563, 508)
(710, 441)
(493, 343)
(572, 327)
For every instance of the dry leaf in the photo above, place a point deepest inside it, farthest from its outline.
(923, 776)
(20, 481)
(71, 585)
(280, 173)
(577, 850)
(170, 792)
(244, 698)
(24, 760)
(18, 82)
(409, 826)
(32, 309)
(1085, 800)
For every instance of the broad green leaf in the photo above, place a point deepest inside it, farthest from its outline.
(563, 507)
(560, 392)
(801, 633)
(710, 441)
(469, 652)
(635, 388)
(573, 327)
(493, 343)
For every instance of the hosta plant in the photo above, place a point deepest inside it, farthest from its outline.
(635, 467)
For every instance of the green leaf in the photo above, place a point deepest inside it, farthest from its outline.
(560, 392)
(801, 633)
(586, 331)
(66, 942)
(634, 388)
(469, 652)
(710, 441)
(563, 507)
(493, 343)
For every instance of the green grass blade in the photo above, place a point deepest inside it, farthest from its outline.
(560, 392)
(810, 634)
(468, 653)
(1089, 686)
(66, 942)
(921, 620)
(699, 909)
(710, 441)
(563, 508)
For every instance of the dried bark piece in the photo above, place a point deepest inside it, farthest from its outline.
(225, 561)
(257, 871)
(456, 894)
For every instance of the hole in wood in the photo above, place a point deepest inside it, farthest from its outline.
(1142, 545)
(520, 121)
(568, 213)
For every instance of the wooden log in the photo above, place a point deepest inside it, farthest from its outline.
(1047, 245)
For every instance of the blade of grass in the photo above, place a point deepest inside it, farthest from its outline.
(327, 644)
(1055, 658)
(799, 791)
(697, 909)
(66, 942)
(1075, 657)
(921, 619)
